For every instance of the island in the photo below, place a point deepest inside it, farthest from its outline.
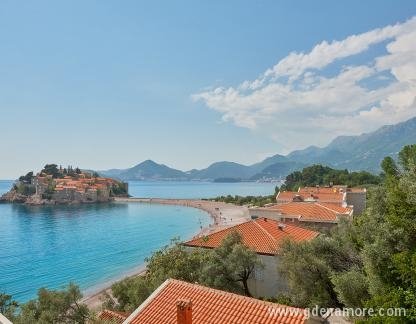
(57, 185)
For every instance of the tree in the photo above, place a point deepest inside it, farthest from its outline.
(372, 261)
(171, 261)
(309, 266)
(27, 179)
(55, 306)
(322, 175)
(8, 306)
(231, 265)
(51, 169)
(227, 267)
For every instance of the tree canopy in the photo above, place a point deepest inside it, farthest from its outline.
(323, 175)
(227, 267)
(370, 262)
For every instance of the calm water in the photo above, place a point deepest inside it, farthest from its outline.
(93, 244)
(197, 189)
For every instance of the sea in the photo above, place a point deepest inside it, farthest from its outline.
(92, 245)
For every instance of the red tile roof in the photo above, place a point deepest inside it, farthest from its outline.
(262, 235)
(311, 211)
(309, 190)
(113, 316)
(328, 197)
(211, 306)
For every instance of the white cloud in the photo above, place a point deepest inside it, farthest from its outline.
(299, 101)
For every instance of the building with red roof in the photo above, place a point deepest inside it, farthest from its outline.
(179, 302)
(305, 214)
(264, 236)
(338, 195)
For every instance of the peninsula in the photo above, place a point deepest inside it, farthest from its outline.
(57, 185)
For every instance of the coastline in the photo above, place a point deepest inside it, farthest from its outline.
(223, 215)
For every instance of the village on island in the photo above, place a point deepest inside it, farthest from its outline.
(58, 185)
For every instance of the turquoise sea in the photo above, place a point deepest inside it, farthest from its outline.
(94, 244)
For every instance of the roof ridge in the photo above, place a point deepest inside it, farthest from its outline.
(147, 301)
(222, 230)
(333, 210)
(264, 230)
(231, 294)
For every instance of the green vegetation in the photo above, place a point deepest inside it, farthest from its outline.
(118, 189)
(227, 267)
(368, 263)
(50, 306)
(248, 200)
(25, 189)
(52, 169)
(8, 307)
(322, 175)
(27, 179)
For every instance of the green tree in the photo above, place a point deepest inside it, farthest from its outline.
(55, 306)
(8, 306)
(171, 261)
(231, 265)
(308, 267)
(51, 169)
(27, 179)
(370, 262)
(322, 175)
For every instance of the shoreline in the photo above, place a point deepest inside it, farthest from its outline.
(223, 215)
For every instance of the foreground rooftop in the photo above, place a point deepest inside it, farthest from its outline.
(180, 302)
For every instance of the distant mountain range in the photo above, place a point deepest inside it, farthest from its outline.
(362, 152)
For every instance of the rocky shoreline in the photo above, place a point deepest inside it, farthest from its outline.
(14, 197)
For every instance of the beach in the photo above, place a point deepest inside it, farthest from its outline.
(223, 215)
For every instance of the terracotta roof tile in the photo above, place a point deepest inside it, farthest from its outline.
(328, 197)
(211, 306)
(262, 235)
(113, 316)
(311, 211)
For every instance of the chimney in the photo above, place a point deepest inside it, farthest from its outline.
(184, 311)
(281, 226)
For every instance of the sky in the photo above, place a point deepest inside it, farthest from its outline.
(108, 84)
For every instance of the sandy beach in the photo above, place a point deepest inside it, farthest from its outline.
(223, 215)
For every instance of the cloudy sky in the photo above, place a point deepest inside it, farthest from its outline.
(109, 84)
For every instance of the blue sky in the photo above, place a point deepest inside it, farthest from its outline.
(104, 84)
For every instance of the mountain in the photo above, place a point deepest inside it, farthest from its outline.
(278, 170)
(362, 152)
(147, 170)
(222, 170)
(260, 166)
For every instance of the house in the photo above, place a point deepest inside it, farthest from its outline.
(339, 195)
(179, 302)
(314, 215)
(264, 236)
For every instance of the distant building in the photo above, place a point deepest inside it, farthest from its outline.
(313, 215)
(79, 188)
(264, 236)
(340, 195)
(179, 302)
